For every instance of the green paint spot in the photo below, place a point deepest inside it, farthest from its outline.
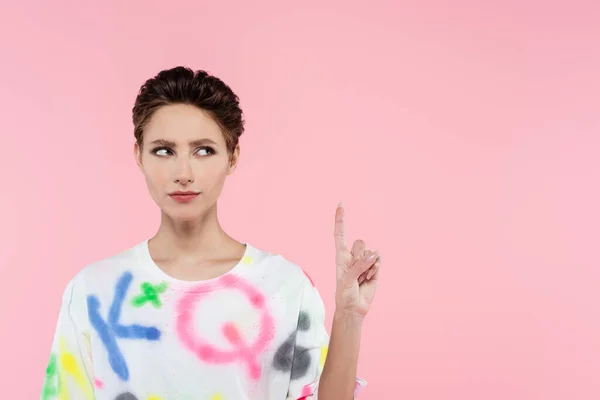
(150, 293)
(50, 384)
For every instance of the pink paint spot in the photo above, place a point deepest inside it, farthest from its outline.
(99, 384)
(359, 385)
(231, 333)
(228, 280)
(240, 351)
(257, 301)
(233, 336)
(311, 281)
(306, 392)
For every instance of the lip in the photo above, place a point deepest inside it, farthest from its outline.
(184, 197)
(181, 192)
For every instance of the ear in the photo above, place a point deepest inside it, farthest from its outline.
(137, 154)
(233, 160)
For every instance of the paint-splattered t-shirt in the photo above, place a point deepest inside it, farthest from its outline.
(128, 331)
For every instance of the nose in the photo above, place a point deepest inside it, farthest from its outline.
(183, 172)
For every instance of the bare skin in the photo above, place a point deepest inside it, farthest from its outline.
(190, 243)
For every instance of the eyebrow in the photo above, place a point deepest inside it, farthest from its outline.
(193, 143)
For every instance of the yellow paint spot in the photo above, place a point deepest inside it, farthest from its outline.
(247, 260)
(68, 366)
(216, 397)
(67, 361)
(153, 398)
(323, 356)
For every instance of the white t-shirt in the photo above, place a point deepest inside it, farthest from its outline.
(128, 331)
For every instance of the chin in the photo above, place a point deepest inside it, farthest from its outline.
(191, 214)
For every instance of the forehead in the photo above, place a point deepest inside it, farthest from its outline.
(181, 123)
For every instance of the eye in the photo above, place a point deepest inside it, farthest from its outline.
(160, 151)
(206, 150)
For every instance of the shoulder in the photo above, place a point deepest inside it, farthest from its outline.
(95, 274)
(279, 274)
(280, 268)
(290, 283)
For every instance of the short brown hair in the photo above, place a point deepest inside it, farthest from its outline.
(181, 85)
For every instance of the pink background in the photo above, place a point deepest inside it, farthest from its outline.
(462, 136)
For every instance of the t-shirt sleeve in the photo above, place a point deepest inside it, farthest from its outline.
(68, 373)
(310, 352)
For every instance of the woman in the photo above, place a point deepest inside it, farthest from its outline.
(192, 313)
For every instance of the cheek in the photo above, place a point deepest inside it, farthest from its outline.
(156, 178)
(211, 176)
(210, 171)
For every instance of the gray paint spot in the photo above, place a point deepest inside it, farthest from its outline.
(283, 359)
(126, 396)
(301, 362)
(303, 321)
(290, 357)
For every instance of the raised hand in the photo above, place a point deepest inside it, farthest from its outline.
(357, 272)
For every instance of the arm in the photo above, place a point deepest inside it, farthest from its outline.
(339, 374)
(68, 371)
(314, 351)
(357, 272)
(333, 377)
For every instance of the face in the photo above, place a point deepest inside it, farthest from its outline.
(184, 150)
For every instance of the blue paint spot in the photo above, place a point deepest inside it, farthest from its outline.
(110, 330)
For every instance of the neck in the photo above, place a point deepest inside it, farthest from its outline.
(196, 239)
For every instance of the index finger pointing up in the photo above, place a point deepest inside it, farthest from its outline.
(340, 238)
